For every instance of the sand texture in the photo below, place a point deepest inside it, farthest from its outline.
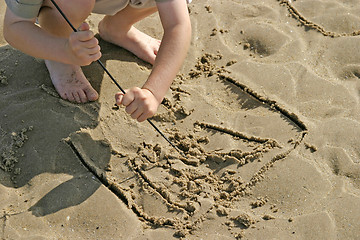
(265, 108)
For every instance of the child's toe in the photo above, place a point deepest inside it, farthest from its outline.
(91, 94)
(83, 97)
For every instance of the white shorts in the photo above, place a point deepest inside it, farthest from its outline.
(111, 7)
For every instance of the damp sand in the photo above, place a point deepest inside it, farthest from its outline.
(265, 108)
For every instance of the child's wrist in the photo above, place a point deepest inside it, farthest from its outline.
(156, 96)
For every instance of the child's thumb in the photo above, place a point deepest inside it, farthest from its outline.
(84, 27)
(118, 98)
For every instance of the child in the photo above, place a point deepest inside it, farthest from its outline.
(65, 51)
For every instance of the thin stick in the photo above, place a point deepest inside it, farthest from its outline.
(116, 83)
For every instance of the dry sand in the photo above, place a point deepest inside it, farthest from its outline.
(266, 108)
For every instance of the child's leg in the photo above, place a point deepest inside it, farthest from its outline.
(119, 29)
(69, 80)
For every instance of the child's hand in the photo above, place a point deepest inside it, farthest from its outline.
(83, 46)
(140, 103)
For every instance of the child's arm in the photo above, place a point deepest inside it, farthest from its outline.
(80, 48)
(143, 103)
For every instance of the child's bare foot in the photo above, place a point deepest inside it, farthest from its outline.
(133, 40)
(70, 82)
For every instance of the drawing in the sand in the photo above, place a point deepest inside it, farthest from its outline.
(265, 109)
(221, 163)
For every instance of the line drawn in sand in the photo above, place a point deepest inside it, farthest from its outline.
(222, 163)
(308, 23)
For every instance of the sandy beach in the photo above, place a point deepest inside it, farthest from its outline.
(266, 109)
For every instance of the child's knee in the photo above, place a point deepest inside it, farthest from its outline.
(79, 9)
(76, 10)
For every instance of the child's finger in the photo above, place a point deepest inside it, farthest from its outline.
(118, 98)
(93, 50)
(84, 35)
(136, 114)
(84, 27)
(95, 57)
(131, 108)
(142, 117)
(93, 42)
(128, 98)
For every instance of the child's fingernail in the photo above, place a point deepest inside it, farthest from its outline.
(119, 99)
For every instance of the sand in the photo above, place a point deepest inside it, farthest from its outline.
(265, 108)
